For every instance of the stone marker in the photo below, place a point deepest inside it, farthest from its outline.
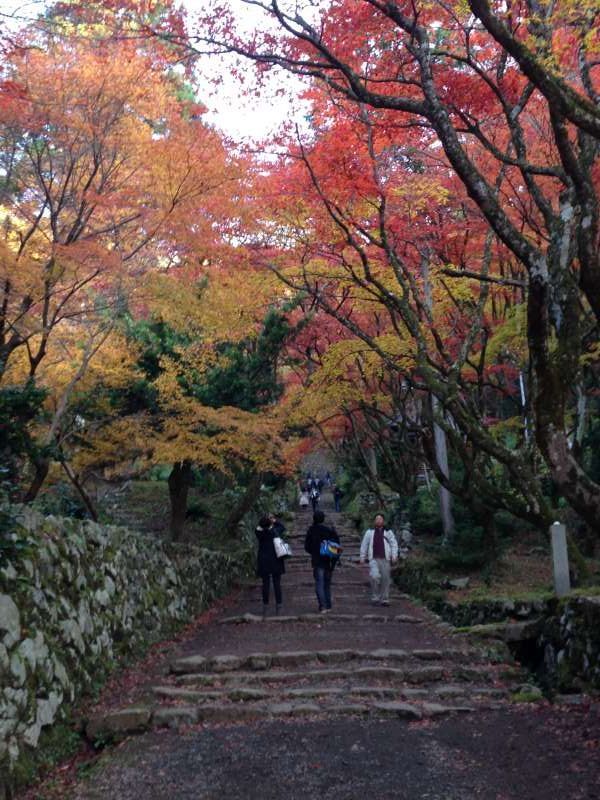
(560, 559)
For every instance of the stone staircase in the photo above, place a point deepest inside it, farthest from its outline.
(357, 660)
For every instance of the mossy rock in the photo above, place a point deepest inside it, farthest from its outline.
(527, 694)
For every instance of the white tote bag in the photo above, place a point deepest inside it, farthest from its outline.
(282, 549)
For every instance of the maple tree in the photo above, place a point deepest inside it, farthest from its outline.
(437, 220)
(362, 242)
(505, 95)
(107, 173)
(201, 396)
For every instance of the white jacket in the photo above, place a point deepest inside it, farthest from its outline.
(390, 544)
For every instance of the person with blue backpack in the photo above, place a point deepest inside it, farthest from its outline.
(323, 544)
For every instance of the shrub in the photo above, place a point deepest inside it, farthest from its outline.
(424, 513)
(468, 550)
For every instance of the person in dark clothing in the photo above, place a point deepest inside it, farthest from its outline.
(323, 566)
(278, 526)
(337, 496)
(268, 566)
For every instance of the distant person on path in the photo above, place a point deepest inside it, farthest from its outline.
(337, 496)
(304, 499)
(314, 498)
(268, 566)
(380, 548)
(323, 566)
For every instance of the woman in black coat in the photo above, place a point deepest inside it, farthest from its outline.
(268, 566)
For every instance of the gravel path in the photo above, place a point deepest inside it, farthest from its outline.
(517, 754)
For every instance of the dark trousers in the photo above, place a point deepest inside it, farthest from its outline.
(336, 501)
(266, 582)
(323, 586)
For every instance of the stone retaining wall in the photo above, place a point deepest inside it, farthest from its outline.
(570, 641)
(493, 609)
(564, 635)
(75, 597)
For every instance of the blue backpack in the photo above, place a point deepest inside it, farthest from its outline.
(330, 549)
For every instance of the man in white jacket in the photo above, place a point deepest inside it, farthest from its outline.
(380, 548)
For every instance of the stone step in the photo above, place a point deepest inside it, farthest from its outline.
(410, 674)
(311, 582)
(303, 559)
(337, 596)
(303, 564)
(405, 683)
(266, 661)
(330, 617)
(346, 539)
(142, 718)
(344, 678)
(246, 694)
(300, 557)
(172, 716)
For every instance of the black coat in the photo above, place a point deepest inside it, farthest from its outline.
(267, 562)
(312, 544)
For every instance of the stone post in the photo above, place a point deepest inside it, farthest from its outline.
(560, 559)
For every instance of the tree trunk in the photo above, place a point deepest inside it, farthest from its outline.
(245, 504)
(439, 435)
(372, 461)
(441, 456)
(555, 374)
(179, 485)
(42, 467)
(83, 494)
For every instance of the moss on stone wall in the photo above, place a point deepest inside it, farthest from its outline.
(564, 643)
(75, 598)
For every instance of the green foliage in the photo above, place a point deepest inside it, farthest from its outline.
(155, 340)
(424, 513)
(478, 537)
(13, 548)
(591, 449)
(159, 473)
(468, 550)
(246, 375)
(19, 406)
(532, 696)
(355, 512)
(418, 576)
(61, 500)
(57, 743)
(198, 511)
